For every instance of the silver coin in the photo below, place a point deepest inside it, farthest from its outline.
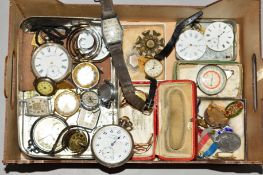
(228, 142)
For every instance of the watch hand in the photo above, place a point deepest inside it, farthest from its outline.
(112, 144)
(44, 137)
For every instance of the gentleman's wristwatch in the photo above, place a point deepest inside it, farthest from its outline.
(112, 35)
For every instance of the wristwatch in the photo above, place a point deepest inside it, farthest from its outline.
(177, 31)
(112, 35)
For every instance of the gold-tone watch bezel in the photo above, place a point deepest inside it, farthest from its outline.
(61, 112)
(95, 80)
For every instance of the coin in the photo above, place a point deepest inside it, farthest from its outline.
(228, 142)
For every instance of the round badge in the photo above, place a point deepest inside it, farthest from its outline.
(228, 142)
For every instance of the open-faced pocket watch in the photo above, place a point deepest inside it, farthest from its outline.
(45, 133)
(38, 106)
(45, 86)
(112, 145)
(66, 103)
(212, 79)
(85, 75)
(51, 60)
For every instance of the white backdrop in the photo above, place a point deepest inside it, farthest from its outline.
(96, 169)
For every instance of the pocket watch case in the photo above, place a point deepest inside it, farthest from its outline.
(143, 126)
(176, 115)
(233, 73)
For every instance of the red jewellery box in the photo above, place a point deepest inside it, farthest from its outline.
(176, 115)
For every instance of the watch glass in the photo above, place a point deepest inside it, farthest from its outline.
(112, 146)
(112, 30)
(45, 132)
(219, 36)
(191, 45)
(153, 68)
(211, 79)
(51, 60)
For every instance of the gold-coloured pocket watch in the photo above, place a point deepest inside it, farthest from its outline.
(66, 103)
(85, 75)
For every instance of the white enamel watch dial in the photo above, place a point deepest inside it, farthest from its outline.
(38, 106)
(66, 103)
(45, 132)
(153, 68)
(90, 100)
(51, 60)
(112, 146)
(191, 45)
(219, 36)
(85, 75)
(211, 79)
(112, 30)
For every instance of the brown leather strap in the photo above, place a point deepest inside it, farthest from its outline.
(107, 9)
(124, 77)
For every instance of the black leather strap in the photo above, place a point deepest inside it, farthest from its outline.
(107, 9)
(124, 77)
(177, 31)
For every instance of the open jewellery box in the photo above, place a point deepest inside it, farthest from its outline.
(246, 13)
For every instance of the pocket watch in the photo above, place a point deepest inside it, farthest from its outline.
(77, 140)
(112, 146)
(90, 100)
(219, 36)
(51, 60)
(66, 103)
(45, 132)
(38, 106)
(153, 68)
(191, 45)
(211, 79)
(45, 86)
(107, 93)
(85, 75)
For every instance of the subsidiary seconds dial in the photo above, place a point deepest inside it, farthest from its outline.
(51, 60)
(219, 36)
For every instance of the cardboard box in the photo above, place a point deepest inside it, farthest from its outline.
(245, 12)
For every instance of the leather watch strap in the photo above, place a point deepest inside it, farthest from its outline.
(124, 78)
(177, 31)
(107, 9)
